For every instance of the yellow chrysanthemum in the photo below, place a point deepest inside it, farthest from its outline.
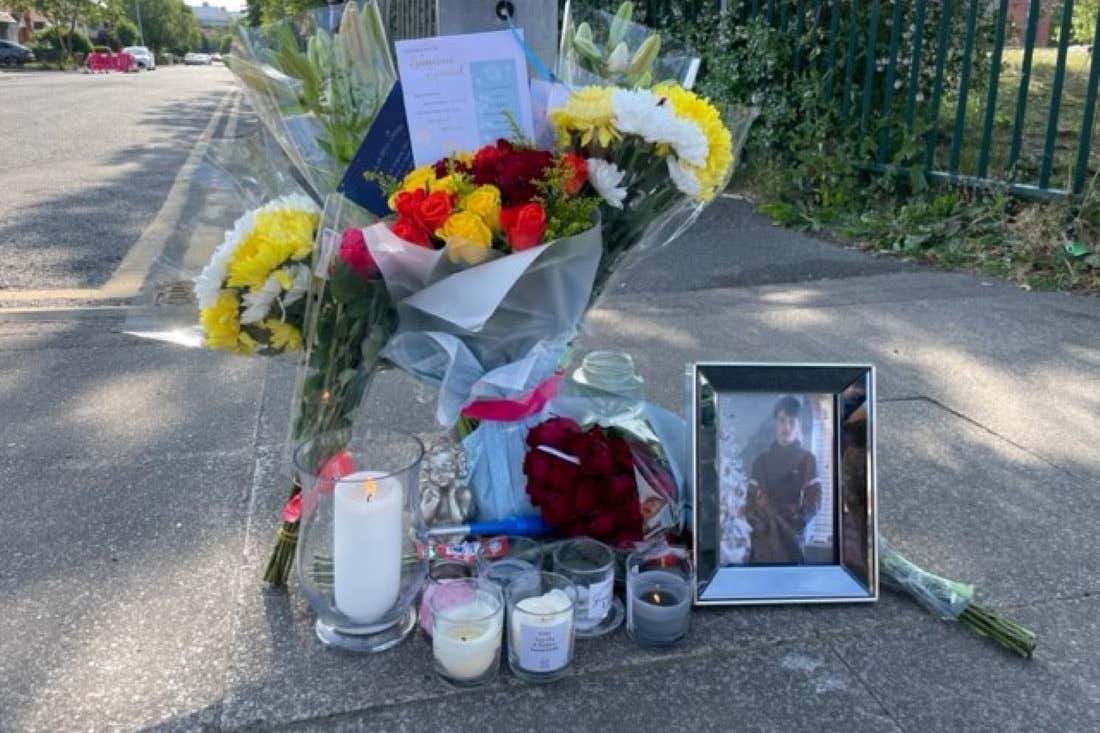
(691, 106)
(221, 324)
(485, 202)
(284, 337)
(277, 236)
(589, 112)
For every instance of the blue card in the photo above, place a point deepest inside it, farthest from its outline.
(386, 150)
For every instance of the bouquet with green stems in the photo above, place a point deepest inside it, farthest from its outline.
(952, 601)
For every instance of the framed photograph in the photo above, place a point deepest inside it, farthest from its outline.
(783, 483)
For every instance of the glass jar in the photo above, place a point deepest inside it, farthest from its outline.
(658, 595)
(541, 610)
(590, 565)
(500, 559)
(467, 632)
(441, 575)
(361, 546)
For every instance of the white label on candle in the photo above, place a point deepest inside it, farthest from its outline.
(543, 648)
(599, 599)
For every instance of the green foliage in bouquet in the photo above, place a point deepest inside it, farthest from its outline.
(344, 77)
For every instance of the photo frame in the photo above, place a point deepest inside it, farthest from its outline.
(783, 483)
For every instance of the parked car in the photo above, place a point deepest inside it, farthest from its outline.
(144, 57)
(197, 59)
(13, 54)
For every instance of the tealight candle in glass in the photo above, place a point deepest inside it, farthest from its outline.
(499, 559)
(467, 631)
(541, 609)
(590, 565)
(658, 595)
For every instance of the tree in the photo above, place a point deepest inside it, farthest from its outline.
(1084, 20)
(226, 44)
(254, 16)
(126, 33)
(65, 16)
(169, 25)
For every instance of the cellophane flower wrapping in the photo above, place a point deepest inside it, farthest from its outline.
(945, 598)
(491, 330)
(316, 82)
(610, 49)
(497, 451)
(234, 275)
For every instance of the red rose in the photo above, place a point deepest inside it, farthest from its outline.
(517, 172)
(407, 204)
(485, 165)
(411, 231)
(435, 209)
(602, 525)
(624, 457)
(555, 432)
(354, 253)
(579, 169)
(594, 451)
(524, 226)
(446, 166)
(622, 487)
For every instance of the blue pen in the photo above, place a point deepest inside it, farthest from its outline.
(522, 526)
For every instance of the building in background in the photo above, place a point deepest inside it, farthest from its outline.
(212, 17)
(19, 27)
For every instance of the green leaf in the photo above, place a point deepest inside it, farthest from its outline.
(1077, 249)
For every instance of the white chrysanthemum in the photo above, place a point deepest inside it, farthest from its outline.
(685, 179)
(301, 284)
(634, 109)
(640, 112)
(209, 282)
(257, 303)
(605, 178)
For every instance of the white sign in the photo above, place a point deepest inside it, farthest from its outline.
(462, 92)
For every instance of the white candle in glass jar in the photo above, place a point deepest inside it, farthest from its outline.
(541, 629)
(367, 545)
(466, 641)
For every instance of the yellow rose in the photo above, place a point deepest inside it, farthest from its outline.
(448, 183)
(468, 238)
(418, 178)
(485, 202)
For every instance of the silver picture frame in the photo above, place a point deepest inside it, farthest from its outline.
(850, 575)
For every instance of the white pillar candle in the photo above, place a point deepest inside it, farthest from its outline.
(367, 545)
(466, 641)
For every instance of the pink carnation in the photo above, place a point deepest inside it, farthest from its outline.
(354, 253)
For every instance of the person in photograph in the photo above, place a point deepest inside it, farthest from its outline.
(784, 491)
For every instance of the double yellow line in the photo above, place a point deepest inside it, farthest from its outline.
(128, 277)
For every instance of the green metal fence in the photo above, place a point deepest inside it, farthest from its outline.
(1008, 113)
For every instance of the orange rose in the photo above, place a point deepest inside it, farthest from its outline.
(579, 169)
(407, 205)
(411, 231)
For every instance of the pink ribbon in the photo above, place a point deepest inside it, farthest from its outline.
(517, 408)
(335, 468)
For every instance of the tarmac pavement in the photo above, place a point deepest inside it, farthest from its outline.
(142, 483)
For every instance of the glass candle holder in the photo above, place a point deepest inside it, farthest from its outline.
(500, 559)
(590, 565)
(467, 631)
(360, 547)
(441, 574)
(541, 608)
(658, 595)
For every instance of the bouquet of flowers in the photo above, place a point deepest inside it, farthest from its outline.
(602, 48)
(655, 156)
(490, 261)
(599, 482)
(951, 601)
(251, 294)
